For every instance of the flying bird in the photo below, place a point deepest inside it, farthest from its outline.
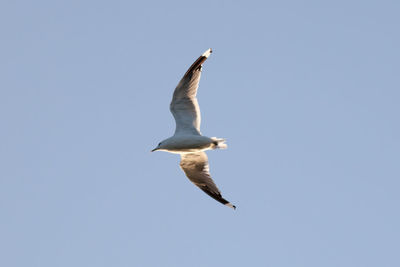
(187, 139)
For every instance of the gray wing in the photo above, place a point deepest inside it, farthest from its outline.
(184, 105)
(195, 166)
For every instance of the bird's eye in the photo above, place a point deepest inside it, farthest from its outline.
(159, 144)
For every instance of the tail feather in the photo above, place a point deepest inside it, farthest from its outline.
(219, 143)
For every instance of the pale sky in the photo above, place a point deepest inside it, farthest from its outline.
(305, 92)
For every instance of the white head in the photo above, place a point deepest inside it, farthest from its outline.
(157, 147)
(162, 145)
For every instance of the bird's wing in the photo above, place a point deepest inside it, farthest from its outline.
(184, 105)
(195, 166)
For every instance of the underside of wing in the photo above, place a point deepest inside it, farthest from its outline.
(184, 105)
(195, 166)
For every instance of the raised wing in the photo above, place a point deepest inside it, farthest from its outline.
(184, 105)
(195, 166)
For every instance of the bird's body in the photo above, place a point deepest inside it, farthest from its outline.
(183, 144)
(188, 140)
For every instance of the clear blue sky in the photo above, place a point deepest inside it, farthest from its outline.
(307, 94)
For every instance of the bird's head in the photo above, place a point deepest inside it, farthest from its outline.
(158, 147)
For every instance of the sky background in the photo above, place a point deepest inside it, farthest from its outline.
(306, 92)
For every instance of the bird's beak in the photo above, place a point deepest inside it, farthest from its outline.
(154, 149)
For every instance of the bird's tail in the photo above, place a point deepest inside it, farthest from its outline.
(219, 143)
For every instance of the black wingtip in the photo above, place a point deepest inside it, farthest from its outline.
(207, 53)
(230, 205)
(217, 197)
(197, 64)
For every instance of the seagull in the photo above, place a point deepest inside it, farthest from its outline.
(187, 139)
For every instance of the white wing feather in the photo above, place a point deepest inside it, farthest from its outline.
(184, 105)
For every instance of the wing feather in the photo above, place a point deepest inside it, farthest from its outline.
(196, 168)
(184, 106)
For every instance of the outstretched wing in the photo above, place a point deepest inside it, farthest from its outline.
(195, 166)
(184, 105)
